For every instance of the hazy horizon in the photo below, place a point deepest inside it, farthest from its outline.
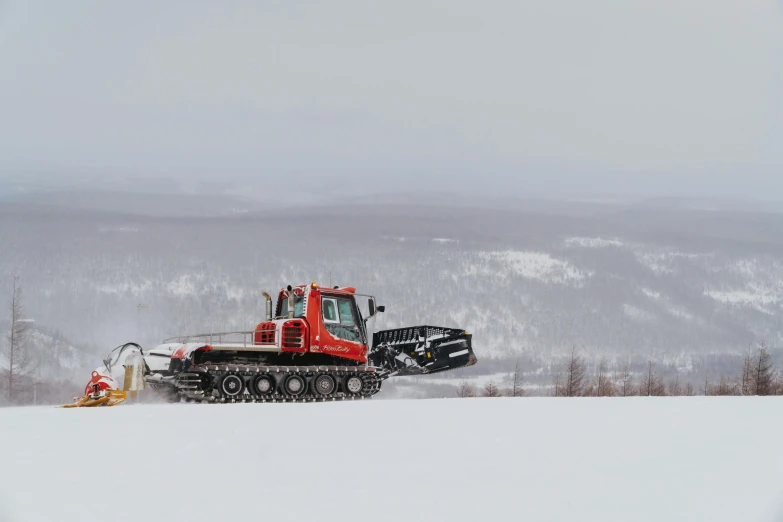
(650, 99)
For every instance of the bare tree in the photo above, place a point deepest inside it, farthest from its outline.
(675, 388)
(746, 379)
(725, 387)
(762, 371)
(15, 353)
(465, 389)
(604, 387)
(777, 384)
(518, 380)
(576, 368)
(651, 383)
(624, 381)
(557, 382)
(688, 389)
(490, 390)
(706, 388)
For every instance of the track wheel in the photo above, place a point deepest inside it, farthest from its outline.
(324, 384)
(264, 385)
(232, 385)
(295, 385)
(353, 384)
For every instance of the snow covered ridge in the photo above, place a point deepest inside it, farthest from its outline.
(125, 287)
(672, 309)
(536, 266)
(755, 283)
(652, 294)
(757, 299)
(642, 459)
(743, 297)
(744, 283)
(185, 285)
(198, 283)
(592, 242)
(56, 352)
(665, 261)
(637, 313)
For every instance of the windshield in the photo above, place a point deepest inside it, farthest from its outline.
(298, 306)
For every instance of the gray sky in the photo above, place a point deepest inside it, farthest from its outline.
(680, 97)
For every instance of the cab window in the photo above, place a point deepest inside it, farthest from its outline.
(330, 311)
(339, 318)
(346, 312)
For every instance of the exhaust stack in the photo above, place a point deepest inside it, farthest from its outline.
(290, 302)
(268, 305)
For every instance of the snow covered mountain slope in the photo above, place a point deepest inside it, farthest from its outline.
(641, 459)
(690, 289)
(56, 358)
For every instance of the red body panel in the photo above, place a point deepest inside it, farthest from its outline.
(295, 335)
(104, 382)
(266, 333)
(308, 333)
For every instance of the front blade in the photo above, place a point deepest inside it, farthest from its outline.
(108, 398)
(449, 354)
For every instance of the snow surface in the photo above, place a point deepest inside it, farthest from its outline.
(640, 459)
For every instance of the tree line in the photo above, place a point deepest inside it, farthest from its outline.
(757, 376)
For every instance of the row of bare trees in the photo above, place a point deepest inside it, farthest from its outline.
(758, 376)
(572, 380)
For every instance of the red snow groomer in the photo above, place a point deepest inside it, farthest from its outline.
(315, 346)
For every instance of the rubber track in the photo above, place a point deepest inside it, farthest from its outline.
(189, 383)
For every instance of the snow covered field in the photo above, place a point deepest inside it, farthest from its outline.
(635, 459)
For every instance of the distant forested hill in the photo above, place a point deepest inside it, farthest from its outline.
(531, 278)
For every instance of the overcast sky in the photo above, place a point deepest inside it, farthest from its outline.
(679, 97)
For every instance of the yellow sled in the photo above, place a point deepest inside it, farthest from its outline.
(105, 398)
